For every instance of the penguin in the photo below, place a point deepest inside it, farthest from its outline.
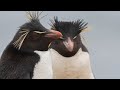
(27, 55)
(70, 57)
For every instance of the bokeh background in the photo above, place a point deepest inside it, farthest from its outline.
(102, 39)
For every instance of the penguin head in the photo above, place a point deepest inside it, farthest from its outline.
(71, 41)
(34, 36)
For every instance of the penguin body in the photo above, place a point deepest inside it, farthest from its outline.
(17, 65)
(75, 67)
(20, 59)
(70, 57)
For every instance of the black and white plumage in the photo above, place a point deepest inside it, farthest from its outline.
(22, 57)
(70, 57)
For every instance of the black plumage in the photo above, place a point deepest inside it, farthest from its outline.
(18, 59)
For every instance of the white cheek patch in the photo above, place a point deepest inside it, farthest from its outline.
(43, 69)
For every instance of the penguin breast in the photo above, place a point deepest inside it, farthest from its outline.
(76, 67)
(43, 69)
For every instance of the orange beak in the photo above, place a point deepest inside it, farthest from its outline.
(69, 44)
(53, 34)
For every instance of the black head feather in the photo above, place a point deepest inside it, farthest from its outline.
(34, 22)
(71, 41)
(71, 28)
(31, 35)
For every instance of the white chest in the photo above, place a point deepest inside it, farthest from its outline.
(43, 69)
(76, 67)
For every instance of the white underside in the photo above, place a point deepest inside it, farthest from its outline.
(76, 67)
(54, 66)
(43, 69)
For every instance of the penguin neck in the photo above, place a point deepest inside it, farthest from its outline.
(57, 54)
(43, 69)
(41, 52)
(11, 51)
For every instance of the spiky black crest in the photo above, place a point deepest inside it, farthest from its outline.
(33, 24)
(79, 24)
(71, 32)
(34, 21)
(33, 15)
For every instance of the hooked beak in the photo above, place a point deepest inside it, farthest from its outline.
(53, 34)
(69, 44)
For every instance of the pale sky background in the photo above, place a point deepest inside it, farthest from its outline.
(102, 39)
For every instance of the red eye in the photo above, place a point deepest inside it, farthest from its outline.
(35, 36)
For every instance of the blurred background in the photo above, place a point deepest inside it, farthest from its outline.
(102, 39)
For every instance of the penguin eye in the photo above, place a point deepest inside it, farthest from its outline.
(36, 35)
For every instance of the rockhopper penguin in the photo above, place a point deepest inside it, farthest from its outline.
(70, 57)
(27, 55)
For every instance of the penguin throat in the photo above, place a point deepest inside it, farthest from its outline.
(57, 53)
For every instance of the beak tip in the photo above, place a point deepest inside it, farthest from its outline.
(57, 34)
